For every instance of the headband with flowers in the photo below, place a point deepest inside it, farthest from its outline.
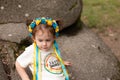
(43, 20)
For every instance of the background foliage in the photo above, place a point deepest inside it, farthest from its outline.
(101, 14)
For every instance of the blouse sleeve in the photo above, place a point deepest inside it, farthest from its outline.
(26, 57)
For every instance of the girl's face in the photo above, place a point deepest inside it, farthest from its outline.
(44, 39)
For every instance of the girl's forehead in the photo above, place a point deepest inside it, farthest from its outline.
(44, 33)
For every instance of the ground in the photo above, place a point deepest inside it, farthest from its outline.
(111, 37)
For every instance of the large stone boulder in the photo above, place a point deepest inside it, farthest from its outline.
(21, 10)
(13, 32)
(91, 58)
(14, 14)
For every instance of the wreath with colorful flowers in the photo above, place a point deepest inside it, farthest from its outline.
(48, 21)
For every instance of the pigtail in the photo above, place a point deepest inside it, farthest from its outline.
(28, 22)
(60, 23)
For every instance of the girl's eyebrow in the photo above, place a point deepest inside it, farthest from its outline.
(44, 38)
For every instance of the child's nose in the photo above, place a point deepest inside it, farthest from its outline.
(44, 43)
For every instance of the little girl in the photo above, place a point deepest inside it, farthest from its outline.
(43, 56)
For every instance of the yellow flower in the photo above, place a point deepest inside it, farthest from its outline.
(38, 22)
(57, 29)
(49, 22)
(30, 30)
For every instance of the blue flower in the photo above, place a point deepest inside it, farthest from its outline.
(43, 21)
(54, 25)
(33, 24)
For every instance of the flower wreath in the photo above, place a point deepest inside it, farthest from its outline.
(44, 20)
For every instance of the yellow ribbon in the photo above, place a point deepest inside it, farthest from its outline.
(37, 75)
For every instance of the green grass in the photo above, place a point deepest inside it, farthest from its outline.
(101, 13)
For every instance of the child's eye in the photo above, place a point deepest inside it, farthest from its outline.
(40, 40)
(48, 40)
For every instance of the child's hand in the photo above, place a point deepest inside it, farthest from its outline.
(67, 63)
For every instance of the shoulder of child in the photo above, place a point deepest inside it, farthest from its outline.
(30, 48)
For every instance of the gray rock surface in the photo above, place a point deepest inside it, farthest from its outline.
(21, 10)
(91, 58)
(2, 72)
(14, 32)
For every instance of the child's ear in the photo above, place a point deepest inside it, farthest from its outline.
(33, 38)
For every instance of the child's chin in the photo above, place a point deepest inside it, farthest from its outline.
(45, 50)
